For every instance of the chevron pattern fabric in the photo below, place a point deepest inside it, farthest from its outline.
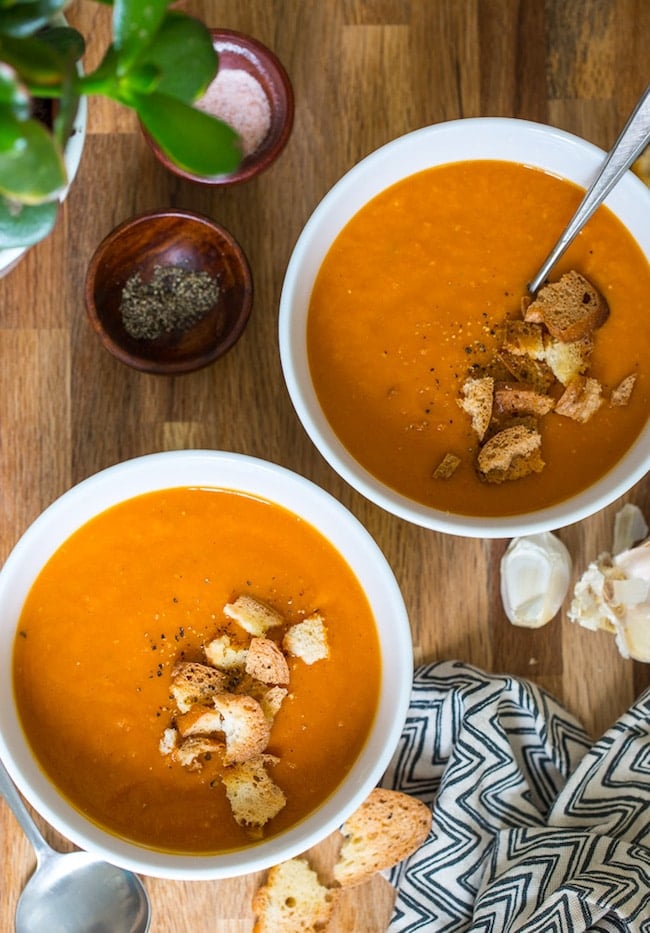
(534, 829)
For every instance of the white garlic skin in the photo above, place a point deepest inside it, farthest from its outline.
(535, 576)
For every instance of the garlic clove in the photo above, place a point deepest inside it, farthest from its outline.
(535, 575)
(630, 527)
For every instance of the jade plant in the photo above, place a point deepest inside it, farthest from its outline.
(158, 63)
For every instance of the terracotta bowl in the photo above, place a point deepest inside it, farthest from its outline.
(238, 51)
(169, 238)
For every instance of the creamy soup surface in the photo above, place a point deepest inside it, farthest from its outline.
(143, 585)
(408, 299)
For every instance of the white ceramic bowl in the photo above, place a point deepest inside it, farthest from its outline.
(268, 481)
(533, 144)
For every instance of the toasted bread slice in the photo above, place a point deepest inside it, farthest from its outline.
(510, 454)
(384, 830)
(194, 751)
(193, 682)
(292, 900)
(266, 663)
(570, 309)
(524, 338)
(199, 720)
(255, 617)
(447, 466)
(581, 399)
(254, 797)
(536, 373)
(222, 653)
(521, 398)
(623, 392)
(476, 400)
(568, 359)
(307, 640)
(244, 725)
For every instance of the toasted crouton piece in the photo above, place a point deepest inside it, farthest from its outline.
(194, 751)
(271, 701)
(307, 640)
(511, 454)
(387, 827)
(568, 359)
(571, 308)
(193, 682)
(265, 662)
(524, 338)
(447, 466)
(536, 373)
(255, 617)
(199, 720)
(244, 726)
(221, 653)
(476, 400)
(292, 900)
(621, 394)
(254, 797)
(520, 398)
(581, 399)
(168, 741)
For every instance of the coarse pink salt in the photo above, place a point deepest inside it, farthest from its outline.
(237, 98)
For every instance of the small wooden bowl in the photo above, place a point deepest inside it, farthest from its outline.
(238, 51)
(177, 238)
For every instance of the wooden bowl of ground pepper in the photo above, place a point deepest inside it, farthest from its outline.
(168, 291)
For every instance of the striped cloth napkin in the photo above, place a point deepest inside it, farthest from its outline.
(534, 828)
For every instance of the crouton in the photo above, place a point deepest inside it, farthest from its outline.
(571, 308)
(581, 399)
(447, 467)
(254, 797)
(221, 653)
(254, 617)
(387, 828)
(193, 682)
(568, 359)
(536, 373)
(168, 741)
(193, 752)
(476, 400)
(244, 725)
(621, 394)
(265, 662)
(520, 398)
(511, 454)
(271, 701)
(307, 640)
(292, 900)
(199, 720)
(524, 338)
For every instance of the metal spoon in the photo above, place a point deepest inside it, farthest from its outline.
(74, 892)
(633, 139)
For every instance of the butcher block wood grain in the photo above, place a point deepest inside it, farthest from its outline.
(364, 72)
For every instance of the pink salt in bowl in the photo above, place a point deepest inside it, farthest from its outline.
(252, 93)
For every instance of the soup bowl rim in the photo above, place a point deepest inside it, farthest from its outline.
(475, 138)
(270, 482)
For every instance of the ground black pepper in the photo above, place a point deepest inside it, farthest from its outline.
(174, 299)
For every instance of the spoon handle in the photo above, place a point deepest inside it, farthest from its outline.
(628, 147)
(20, 811)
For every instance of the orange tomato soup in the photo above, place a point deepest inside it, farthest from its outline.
(143, 585)
(408, 298)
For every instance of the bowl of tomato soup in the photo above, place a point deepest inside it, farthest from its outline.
(398, 298)
(206, 664)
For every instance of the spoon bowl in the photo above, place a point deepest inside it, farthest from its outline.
(74, 892)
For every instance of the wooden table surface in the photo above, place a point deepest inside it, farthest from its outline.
(364, 72)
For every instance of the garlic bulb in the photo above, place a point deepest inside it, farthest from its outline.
(535, 575)
(614, 594)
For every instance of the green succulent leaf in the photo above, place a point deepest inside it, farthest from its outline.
(183, 54)
(135, 23)
(24, 19)
(37, 62)
(14, 97)
(68, 42)
(31, 164)
(193, 140)
(24, 225)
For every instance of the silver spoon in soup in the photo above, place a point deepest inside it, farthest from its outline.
(633, 139)
(74, 892)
